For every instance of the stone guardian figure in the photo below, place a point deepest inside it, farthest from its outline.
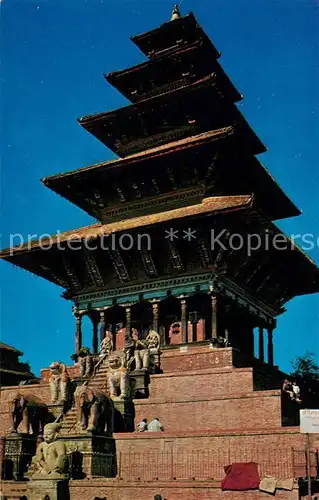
(51, 458)
(153, 342)
(141, 352)
(106, 347)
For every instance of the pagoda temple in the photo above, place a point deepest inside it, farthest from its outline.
(184, 246)
(13, 371)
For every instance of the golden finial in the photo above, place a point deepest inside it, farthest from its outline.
(176, 13)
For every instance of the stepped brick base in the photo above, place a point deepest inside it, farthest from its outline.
(237, 411)
(117, 490)
(212, 416)
(198, 357)
(200, 384)
(114, 489)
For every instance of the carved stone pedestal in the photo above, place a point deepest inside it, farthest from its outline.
(18, 452)
(124, 415)
(139, 382)
(53, 489)
(91, 455)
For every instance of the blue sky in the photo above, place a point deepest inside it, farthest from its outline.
(53, 55)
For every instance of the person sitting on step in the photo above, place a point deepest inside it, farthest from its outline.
(142, 426)
(155, 426)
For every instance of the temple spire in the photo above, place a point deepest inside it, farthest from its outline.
(176, 13)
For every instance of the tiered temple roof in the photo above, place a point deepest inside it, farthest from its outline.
(187, 162)
(107, 190)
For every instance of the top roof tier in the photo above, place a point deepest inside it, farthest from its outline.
(172, 34)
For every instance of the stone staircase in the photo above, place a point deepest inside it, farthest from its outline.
(97, 381)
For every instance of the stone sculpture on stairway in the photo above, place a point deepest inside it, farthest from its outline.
(106, 347)
(153, 342)
(86, 362)
(141, 352)
(51, 458)
(27, 414)
(117, 375)
(59, 383)
(94, 410)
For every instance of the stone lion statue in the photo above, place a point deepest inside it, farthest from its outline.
(59, 382)
(94, 410)
(117, 376)
(28, 413)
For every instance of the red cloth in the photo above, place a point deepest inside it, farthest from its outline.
(241, 476)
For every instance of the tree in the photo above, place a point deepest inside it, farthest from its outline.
(306, 373)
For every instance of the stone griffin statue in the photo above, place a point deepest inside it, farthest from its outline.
(28, 413)
(153, 342)
(117, 375)
(59, 383)
(106, 347)
(51, 458)
(94, 410)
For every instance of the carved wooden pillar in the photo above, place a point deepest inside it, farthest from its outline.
(261, 344)
(128, 320)
(270, 346)
(78, 332)
(184, 320)
(95, 342)
(214, 316)
(102, 326)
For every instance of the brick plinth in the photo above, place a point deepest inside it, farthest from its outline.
(121, 490)
(200, 384)
(279, 452)
(198, 357)
(235, 411)
(115, 489)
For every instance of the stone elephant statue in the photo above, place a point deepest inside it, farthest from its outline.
(28, 413)
(94, 410)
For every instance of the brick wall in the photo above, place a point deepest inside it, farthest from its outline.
(203, 455)
(196, 358)
(115, 490)
(201, 384)
(121, 490)
(254, 410)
